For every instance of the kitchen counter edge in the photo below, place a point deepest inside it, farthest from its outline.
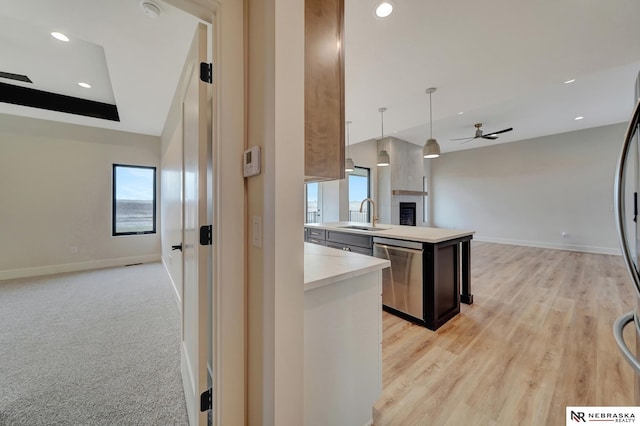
(325, 266)
(399, 232)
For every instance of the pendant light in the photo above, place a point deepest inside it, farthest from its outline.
(348, 163)
(383, 156)
(431, 149)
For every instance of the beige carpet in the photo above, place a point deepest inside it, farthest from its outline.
(91, 348)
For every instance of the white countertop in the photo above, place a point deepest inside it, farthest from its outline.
(324, 265)
(400, 232)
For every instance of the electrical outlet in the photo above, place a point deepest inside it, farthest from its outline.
(565, 235)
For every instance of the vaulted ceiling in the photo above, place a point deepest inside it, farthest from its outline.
(500, 62)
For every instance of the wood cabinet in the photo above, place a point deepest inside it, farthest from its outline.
(324, 90)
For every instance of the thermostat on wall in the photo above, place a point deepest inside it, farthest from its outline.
(251, 161)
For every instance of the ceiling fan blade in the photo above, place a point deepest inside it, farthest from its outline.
(461, 139)
(468, 140)
(499, 131)
(489, 136)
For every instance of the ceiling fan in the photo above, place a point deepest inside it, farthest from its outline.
(479, 134)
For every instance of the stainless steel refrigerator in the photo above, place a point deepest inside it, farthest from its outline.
(627, 185)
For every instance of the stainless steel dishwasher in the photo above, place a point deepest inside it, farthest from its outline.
(402, 287)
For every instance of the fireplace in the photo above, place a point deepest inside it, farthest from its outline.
(408, 214)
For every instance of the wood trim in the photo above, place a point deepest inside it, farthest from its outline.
(407, 192)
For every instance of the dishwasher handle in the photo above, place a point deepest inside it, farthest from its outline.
(398, 243)
(396, 248)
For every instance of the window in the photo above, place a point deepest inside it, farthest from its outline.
(134, 200)
(312, 202)
(358, 191)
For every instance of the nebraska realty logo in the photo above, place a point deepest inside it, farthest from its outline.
(581, 415)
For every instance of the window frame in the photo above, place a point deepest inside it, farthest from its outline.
(114, 201)
(425, 200)
(368, 177)
(318, 212)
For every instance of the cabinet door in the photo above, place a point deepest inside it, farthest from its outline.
(318, 234)
(359, 240)
(353, 249)
(324, 90)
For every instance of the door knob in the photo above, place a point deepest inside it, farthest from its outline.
(177, 247)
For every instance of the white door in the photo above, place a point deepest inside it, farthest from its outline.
(196, 273)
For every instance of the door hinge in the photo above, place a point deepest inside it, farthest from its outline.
(206, 72)
(206, 400)
(205, 235)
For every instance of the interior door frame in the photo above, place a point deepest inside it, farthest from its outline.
(228, 358)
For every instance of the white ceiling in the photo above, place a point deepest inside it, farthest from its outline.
(502, 62)
(143, 57)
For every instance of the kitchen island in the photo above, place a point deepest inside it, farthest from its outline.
(444, 272)
(342, 336)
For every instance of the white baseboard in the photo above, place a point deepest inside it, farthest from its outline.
(173, 286)
(557, 246)
(74, 267)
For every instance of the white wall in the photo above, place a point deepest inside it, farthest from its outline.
(55, 192)
(530, 192)
(405, 172)
(275, 268)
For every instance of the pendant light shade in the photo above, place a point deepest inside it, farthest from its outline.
(383, 156)
(431, 148)
(349, 165)
(348, 162)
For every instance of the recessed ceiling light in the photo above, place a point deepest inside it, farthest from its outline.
(461, 112)
(578, 118)
(570, 81)
(59, 36)
(85, 85)
(151, 9)
(384, 9)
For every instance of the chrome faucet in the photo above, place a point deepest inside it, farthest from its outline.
(374, 218)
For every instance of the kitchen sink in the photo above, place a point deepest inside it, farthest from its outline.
(365, 228)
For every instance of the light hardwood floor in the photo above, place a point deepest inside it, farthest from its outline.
(537, 339)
